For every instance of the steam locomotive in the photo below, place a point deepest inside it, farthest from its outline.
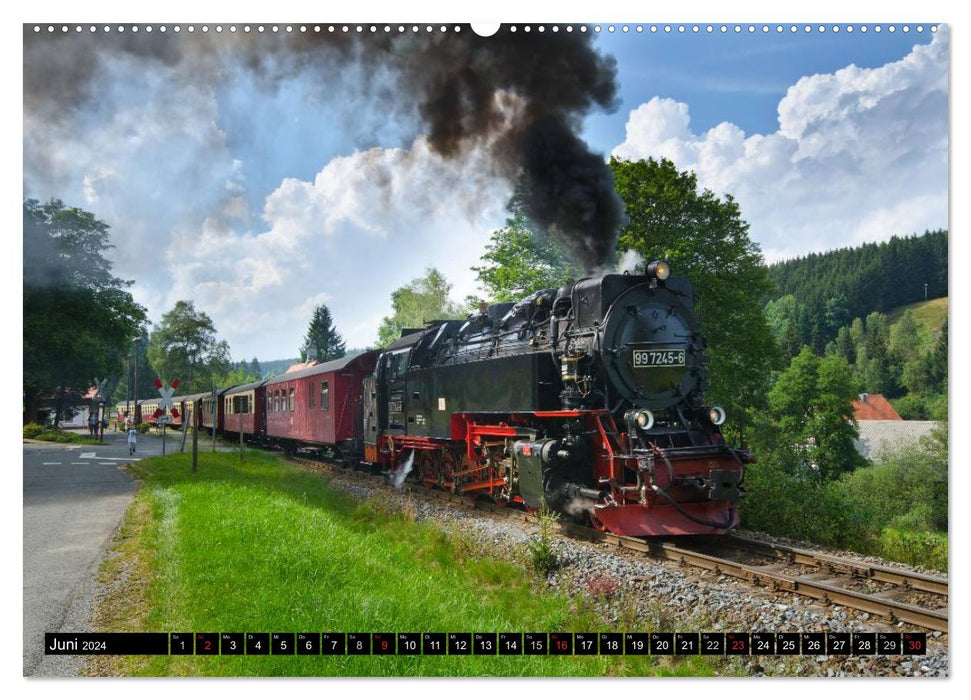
(585, 399)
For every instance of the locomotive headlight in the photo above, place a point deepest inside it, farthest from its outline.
(717, 415)
(659, 269)
(643, 418)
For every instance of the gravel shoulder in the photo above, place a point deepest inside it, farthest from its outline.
(647, 595)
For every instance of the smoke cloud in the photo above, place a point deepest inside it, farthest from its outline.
(519, 97)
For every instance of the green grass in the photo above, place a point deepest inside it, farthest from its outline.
(264, 546)
(66, 437)
(929, 315)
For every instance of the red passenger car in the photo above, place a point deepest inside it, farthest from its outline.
(319, 405)
(207, 412)
(243, 410)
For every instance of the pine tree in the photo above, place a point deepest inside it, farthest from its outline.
(322, 337)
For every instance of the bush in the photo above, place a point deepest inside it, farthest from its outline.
(907, 490)
(927, 549)
(31, 431)
(542, 556)
(144, 427)
(56, 436)
(785, 498)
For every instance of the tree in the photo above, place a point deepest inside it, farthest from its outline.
(146, 373)
(255, 368)
(705, 239)
(422, 300)
(809, 409)
(184, 347)
(519, 261)
(782, 316)
(905, 341)
(938, 361)
(78, 319)
(327, 342)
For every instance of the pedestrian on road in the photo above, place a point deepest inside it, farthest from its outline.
(132, 438)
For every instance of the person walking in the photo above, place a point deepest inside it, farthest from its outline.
(132, 438)
(92, 424)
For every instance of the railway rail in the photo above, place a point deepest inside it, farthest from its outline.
(910, 597)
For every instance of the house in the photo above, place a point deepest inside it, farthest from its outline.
(881, 438)
(874, 407)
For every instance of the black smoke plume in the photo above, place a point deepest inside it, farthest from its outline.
(520, 96)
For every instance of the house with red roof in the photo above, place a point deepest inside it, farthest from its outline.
(874, 407)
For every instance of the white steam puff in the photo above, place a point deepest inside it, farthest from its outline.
(399, 475)
(631, 262)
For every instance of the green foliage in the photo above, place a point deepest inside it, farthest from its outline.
(785, 497)
(808, 409)
(705, 239)
(184, 347)
(32, 430)
(144, 428)
(835, 286)
(327, 343)
(422, 300)
(907, 488)
(66, 437)
(78, 320)
(927, 549)
(520, 260)
(542, 557)
(890, 509)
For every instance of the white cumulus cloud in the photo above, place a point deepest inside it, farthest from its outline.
(859, 155)
(366, 224)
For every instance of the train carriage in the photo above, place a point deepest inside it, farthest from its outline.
(189, 405)
(243, 410)
(147, 409)
(320, 405)
(206, 412)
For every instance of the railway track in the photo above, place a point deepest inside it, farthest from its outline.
(913, 598)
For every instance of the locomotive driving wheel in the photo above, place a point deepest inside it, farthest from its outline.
(426, 468)
(449, 467)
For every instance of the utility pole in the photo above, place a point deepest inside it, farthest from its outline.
(196, 406)
(213, 412)
(138, 418)
(925, 291)
(240, 436)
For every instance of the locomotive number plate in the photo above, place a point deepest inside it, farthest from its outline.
(659, 358)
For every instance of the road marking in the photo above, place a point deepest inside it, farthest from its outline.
(80, 462)
(92, 455)
(50, 463)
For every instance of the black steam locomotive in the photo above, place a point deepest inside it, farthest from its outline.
(587, 399)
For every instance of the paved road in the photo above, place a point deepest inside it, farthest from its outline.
(74, 499)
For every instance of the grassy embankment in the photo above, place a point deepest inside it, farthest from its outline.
(32, 431)
(929, 315)
(266, 547)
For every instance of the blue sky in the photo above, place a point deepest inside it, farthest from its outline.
(733, 77)
(258, 204)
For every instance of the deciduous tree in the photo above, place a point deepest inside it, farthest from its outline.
(184, 346)
(79, 319)
(422, 300)
(705, 238)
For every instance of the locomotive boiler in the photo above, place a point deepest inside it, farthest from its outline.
(587, 399)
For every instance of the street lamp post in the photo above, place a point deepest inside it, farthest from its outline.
(138, 420)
